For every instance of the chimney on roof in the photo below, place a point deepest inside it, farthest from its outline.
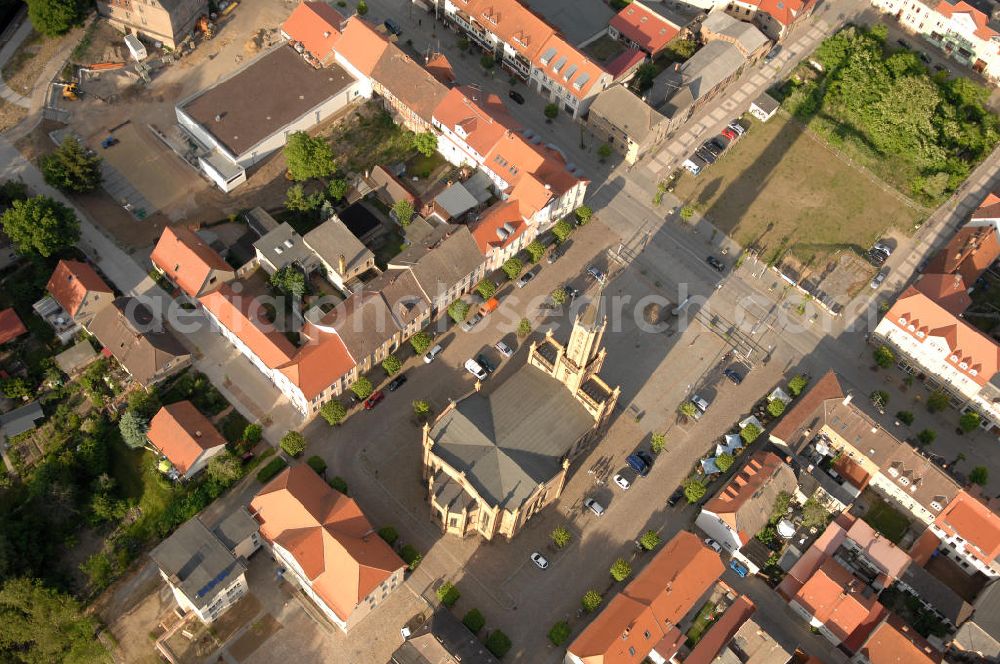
(326, 35)
(197, 434)
(847, 399)
(218, 117)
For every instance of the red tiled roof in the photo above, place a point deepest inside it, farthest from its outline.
(317, 26)
(186, 259)
(827, 387)
(895, 642)
(970, 352)
(989, 209)
(784, 12)
(319, 364)
(498, 227)
(649, 30)
(625, 62)
(440, 68)
(838, 600)
(11, 326)
(328, 535)
(244, 316)
(720, 633)
(983, 31)
(569, 68)
(974, 522)
(511, 21)
(761, 467)
(70, 283)
(361, 45)
(183, 434)
(459, 113)
(645, 613)
(969, 253)
(948, 290)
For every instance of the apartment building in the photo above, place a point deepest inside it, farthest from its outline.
(188, 262)
(164, 21)
(966, 32)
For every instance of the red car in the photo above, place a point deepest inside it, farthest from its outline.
(729, 133)
(373, 400)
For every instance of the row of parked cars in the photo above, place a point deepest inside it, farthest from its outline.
(712, 149)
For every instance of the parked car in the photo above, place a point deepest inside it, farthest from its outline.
(516, 96)
(692, 166)
(721, 142)
(675, 496)
(734, 376)
(902, 43)
(638, 464)
(701, 402)
(489, 306)
(923, 56)
(622, 482)
(879, 278)
(392, 27)
(597, 274)
(737, 127)
(712, 544)
(396, 383)
(571, 292)
(648, 460)
(476, 370)
(374, 400)
(485, 363)
(716, 263)
(730, 134)
(472, 322)
(503, 349)
(554, 255)
(711, 147)
(738, 567)
(527, 277)
(539, 560)
(432, 353)
(594, 506)
(772, 54)
(709, 156)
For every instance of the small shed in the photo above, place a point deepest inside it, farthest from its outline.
(78, 356)
(11, 326)
(764, 107)
(21, 419)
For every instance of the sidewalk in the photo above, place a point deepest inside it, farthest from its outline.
(12, 37)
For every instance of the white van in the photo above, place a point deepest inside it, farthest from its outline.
(473, 368)
(691, 167)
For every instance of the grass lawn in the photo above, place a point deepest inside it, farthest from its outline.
(779, 186)
(604, 49)
(701, 623)
(887, 520)
(370, 137)
(389, 246)
(422, 166)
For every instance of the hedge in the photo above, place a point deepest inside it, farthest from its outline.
(269, 471)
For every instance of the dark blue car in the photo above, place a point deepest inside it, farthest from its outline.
(638, 464)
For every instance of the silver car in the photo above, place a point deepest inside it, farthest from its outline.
(472, 322)
(879, 278)
(594, 506)
(539, 560)
(503, 349)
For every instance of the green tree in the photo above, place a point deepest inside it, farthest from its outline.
(658, 443)
(562, 230)
(145, 403)
(337, 189)
(688, 409)
(41, 625)
(535, 250)
(750, 433)
(362, 388)
(459, 310)
(926, 436)
(70, 168)
(604, 151)
(969, 421)
(16, 388)
(776, 407)
(512, 268)
(524, 328)
(422, 409)
(133, 429)
(591, 600)
(420, 342)
(487, 62)
(649, 540)
(333, 412)
(814, 514)
(309, 157)
(448, 594)
(797, 384)
(12, 190)
(687, 212)
(389, 534)
(644, 76)
(340, 484)
(880, 398)
(682, 49)
(694, 491)
(486, 289)
(290, 280)
(559, 634)
(724, 461)
(297, 200)
(561, 536)
(362, 7)
(224, 469)
(938, 401)
(474, 620)
(403, 211)
(293, 443)
(780, 507)
(559, 295)
(54, 17)
(979, 475)
(884, 357)
(425, 143)
(551, 111)
(253, 433)
(40, 226)
(584, 214)
(498, 643)
(391, 365)
(905, 416)
(317, 463)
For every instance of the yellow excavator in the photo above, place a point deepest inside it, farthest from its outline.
(205, 27)
(71, 91)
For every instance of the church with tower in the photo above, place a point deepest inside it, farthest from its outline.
(491, 461)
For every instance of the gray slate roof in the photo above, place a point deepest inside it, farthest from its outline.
(76, 357)
(282, 246)
(982, 633)
(766, 103)
(510, 441)
(623, 109)
(747, 36)
(21, 419)
(197, 562)
(936, 593)
(714, 63)
(440, 260)
(235, 527)
(332, 239)
(139, 341)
